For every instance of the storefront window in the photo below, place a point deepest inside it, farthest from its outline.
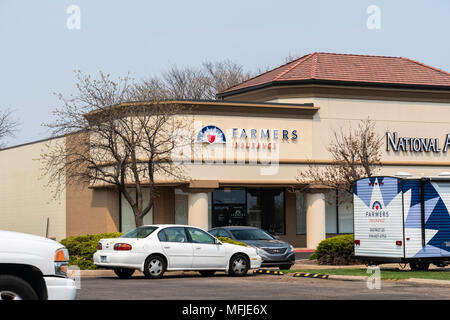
(300, 208)
(127, 215)
(265, 209)
(181, 207)
(345, 213)
(338, 212)
(258, 207)
(229, 196)
(229, 207)
(330, 212)
(209, 210)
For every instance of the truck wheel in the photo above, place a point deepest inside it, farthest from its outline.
(419, 266)
(124, 273)
(15, 288)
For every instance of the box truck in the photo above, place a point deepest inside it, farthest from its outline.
(402, 219)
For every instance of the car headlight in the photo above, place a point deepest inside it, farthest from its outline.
(291, 247)
(61, 262)
(260, 251)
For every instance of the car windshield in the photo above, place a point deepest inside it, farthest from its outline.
(141, 232)
(251, 234)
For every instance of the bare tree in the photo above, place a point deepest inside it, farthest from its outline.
(355, 153)
(291, 57)
(202, 83)
(120, 134)
(185, 83)
(8, 126)
(223, 75)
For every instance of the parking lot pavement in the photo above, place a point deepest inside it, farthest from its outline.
(190, 285)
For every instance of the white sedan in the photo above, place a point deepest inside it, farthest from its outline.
(154, 249)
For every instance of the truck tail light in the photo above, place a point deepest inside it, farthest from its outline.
(357, 242)
(99, 246)
(398, 243)
(122, 246)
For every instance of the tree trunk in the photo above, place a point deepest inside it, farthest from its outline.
(139, 220)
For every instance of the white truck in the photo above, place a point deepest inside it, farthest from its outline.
(33, 267)
(402, 219)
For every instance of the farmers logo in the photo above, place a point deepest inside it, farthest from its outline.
(211, 134)
(377, 206)
(377, 211)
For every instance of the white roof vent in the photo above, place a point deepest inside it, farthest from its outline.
(403, 174)
(444, 174)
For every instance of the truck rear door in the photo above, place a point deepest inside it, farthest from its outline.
(378, 217)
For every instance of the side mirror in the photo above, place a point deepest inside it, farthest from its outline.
(217, 241)
(277, 237)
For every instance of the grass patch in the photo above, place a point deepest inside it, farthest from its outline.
(386, 274)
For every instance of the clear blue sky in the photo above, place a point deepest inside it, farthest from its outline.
(39, 53)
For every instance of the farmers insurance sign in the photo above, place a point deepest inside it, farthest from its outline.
(408, 144)
(242, 138)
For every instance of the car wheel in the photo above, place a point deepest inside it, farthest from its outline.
(239, 266)
(286, 267)
(124, 273)
(14, 288)
(154, 267)
(207, 273)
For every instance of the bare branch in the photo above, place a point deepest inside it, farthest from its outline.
(355, 154)
(8, 126)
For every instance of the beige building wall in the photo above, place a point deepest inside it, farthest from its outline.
(407, 118)
(25, 201)
(91, 211)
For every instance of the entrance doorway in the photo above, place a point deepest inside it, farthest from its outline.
(257, 207)
(229, 207)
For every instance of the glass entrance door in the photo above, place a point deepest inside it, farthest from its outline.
(229, 215)
(229, 207)
(257, 207)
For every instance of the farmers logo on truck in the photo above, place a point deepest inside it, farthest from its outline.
(377, 210)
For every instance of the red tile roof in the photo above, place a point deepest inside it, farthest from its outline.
(367, 69)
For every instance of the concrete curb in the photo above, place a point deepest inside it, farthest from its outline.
(347, 278)
(410, 280)
(428, 281)
(97, 273)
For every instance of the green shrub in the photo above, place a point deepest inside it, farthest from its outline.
(229, 240)
(82, 248)
(335, 251)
